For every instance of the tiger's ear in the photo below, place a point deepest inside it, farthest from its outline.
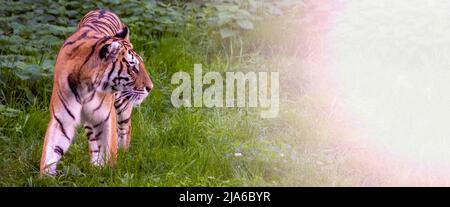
(109, 51)
(123, 34)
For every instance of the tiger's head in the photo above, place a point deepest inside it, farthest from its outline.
(125, 73)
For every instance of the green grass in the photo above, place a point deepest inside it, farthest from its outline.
(190, 146)
(169, 147)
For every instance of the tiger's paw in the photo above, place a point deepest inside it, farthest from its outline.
(98, 162)
(49, 171)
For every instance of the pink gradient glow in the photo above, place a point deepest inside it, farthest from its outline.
(390, 81)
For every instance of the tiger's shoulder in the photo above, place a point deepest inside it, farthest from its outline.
(94, 27)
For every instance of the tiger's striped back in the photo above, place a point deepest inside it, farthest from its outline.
(102, 21)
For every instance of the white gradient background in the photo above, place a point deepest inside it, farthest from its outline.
(392, 65)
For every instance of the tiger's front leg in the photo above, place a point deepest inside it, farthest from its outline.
(124, 110)
(58, 138)
(60, 131)
(102, 137)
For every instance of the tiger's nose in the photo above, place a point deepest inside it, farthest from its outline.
(149, 87)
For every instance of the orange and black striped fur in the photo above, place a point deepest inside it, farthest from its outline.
(98, 78)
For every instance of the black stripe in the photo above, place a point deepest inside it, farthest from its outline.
(115, 19)
(88, 127)
(105, 85)
(73, 86)
(107, 118)
(90, 54)
(96, 137)
(90, 87)
(107, 21)
(82, 36)
(104, 27)
(128, 69)
(130, 83)
(98, 134)
(97, 79)
(111, 21)
(100, 105)
(87, 16)
(99, 42)
(117, 104)
(90, 98)
(109, 26)
(120, 78)
(61, 98)
(89, 134)
(120, 69)
(62, 128)
(124, 108)
(113, 67)
(81, 21)
(75, 49)
(91, 17)
(91, 27)
(59, 150)
(124, 121)
(118, 98)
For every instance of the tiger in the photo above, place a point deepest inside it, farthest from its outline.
(98, 79)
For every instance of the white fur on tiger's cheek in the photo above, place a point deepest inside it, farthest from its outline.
(133, 61)
(139, 98)
(113, 50)
(113, 47)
